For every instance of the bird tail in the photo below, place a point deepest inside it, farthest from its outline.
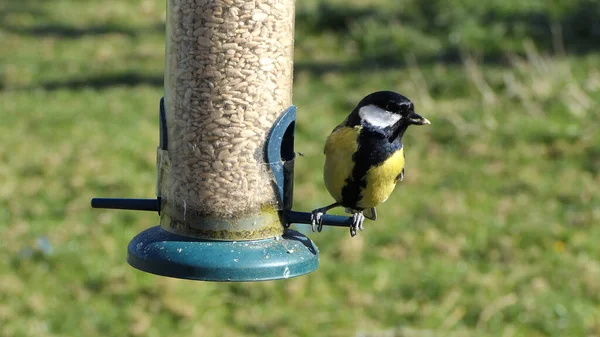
(368, 213)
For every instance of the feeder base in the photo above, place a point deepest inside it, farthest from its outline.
(159, 252)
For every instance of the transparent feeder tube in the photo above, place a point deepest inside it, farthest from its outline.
(228, 77)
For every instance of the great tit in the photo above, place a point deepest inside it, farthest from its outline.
(364, 156)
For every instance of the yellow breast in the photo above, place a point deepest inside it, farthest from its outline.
(381, 180)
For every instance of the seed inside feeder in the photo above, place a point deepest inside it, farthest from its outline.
(228, 78)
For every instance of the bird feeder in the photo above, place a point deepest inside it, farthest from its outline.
(225, 162)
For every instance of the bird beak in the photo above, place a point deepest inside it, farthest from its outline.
(416, 119)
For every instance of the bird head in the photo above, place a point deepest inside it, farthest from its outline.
(387, 108)
(389, 111)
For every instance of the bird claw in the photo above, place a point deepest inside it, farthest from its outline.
(316, 220)
(357, 223)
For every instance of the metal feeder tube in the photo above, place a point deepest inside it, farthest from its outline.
(226, 112)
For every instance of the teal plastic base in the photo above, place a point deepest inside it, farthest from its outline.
(163, 253)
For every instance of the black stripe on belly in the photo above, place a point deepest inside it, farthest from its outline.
(373, 149)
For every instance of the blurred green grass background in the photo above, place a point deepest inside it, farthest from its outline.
(494, 231)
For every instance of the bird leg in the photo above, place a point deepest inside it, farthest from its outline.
(316, 217)
(357, 222)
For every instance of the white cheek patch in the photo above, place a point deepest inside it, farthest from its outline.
(377, 116)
